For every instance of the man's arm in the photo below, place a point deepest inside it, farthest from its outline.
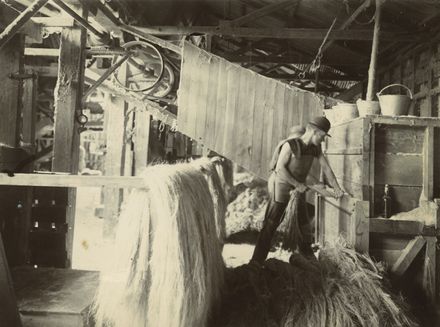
(283, 167)
(330, 175)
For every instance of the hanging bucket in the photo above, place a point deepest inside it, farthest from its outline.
(366, 107)
(394, 104)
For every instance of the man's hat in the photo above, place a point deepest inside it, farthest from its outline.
(322, 123)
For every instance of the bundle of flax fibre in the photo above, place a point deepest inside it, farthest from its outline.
(213, 172)
(166, 267)
(341, 289)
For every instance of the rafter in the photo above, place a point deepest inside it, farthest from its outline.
(266, 10)
(310, 76)
(288, 59)
(276, 33)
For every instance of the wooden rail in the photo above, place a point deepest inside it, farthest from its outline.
(66, 180)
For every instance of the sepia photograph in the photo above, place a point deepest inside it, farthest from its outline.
(219, 163)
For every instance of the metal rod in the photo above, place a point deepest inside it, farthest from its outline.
(83, 22)
(21, 19)
(105, 75)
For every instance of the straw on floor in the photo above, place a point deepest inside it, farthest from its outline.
(342, 288)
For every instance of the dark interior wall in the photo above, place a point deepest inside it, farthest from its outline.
(13, 213)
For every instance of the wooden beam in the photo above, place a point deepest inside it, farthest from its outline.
(408, 255)
(41, 52)
(360, 227)
(54, 21)
(106, 18)
(19, 22)
(29, 117)
(114, 128)
(274, 33)
(309, 76)
(430, 272)
(10, 63)
(47, 10)
(396, 227)
(428, 165)
(139, 32)
(137, 100)
(29, 112)
(374, 51)
(286, 59)
(264, 11)
(45, 71)
(79, 19)
(141, 140)
(67, 103)
(67, 180)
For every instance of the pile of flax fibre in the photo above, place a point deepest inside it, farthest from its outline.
(342, 288)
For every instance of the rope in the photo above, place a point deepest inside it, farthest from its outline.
(316, 63)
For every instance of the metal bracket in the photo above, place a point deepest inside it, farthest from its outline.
(19, 77)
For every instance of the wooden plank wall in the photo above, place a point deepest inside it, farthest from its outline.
(344, 151)
(420, 71)
(236, 112)
(399, 163)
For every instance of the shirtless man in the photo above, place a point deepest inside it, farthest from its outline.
(292, 167)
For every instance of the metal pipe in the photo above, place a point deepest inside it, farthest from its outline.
(21, 19)
(105, 75)
(83, 22)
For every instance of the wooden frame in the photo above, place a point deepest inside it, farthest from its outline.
(397, 242)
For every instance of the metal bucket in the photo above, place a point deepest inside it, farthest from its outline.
(345, 112)
(366, 108)
(394, 104)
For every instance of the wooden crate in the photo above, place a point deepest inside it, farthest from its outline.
(367, 153)
(54, 297)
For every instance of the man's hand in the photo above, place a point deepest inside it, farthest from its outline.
(338, 193)
(301, 188)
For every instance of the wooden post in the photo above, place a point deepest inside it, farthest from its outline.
(429, 268)
(67, 95)
(29, 111)
(428, 165)
(374, 52)
(114, 160)
(29, 115)
(141, 140)
(360, 227)
(10, 62)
